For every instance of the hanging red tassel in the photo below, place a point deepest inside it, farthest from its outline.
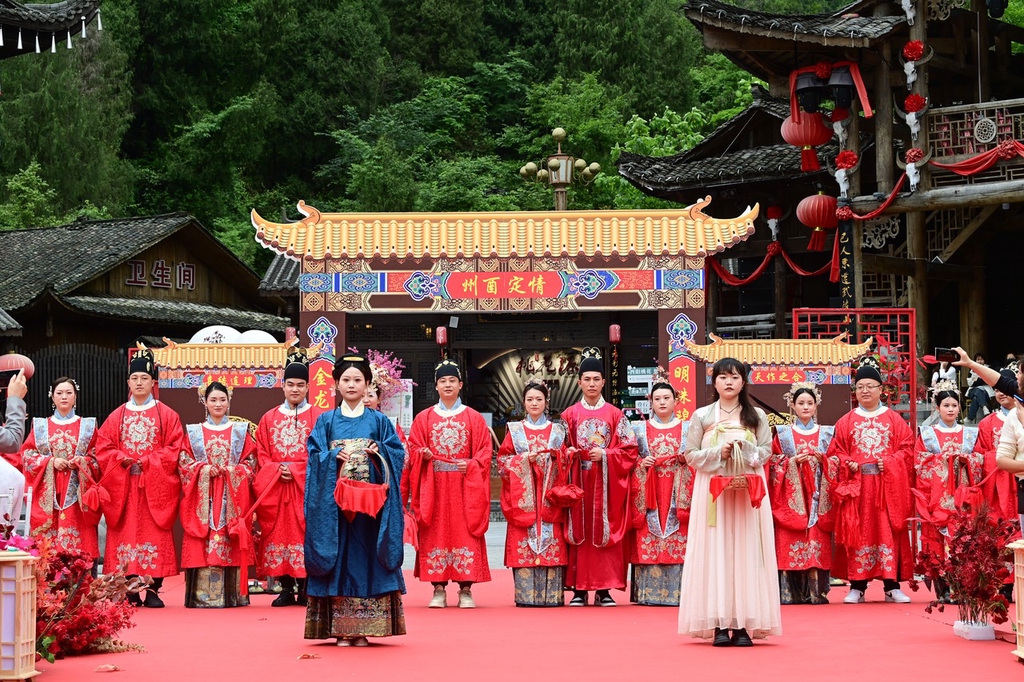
(817, 242)
(809, 160)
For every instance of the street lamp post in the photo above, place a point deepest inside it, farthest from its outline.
(558, 171)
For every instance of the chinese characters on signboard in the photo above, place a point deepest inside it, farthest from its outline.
(161, 275)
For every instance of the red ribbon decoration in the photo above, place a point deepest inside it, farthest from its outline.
(858, 82)
(775, 249)
(1007, 149)
(755, 487)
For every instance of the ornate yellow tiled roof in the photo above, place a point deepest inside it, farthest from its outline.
(222, 355)
(688, 231)
(781, 351)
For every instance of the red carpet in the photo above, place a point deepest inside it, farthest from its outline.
(873, 642)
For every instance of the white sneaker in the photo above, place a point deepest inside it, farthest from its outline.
(855, 597)
(440, 598)
(897, 596)
(466, 599)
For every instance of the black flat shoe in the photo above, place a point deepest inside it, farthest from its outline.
(284, 599)
(134, 599)
(741, 638)
(721, 638)
(152, 601)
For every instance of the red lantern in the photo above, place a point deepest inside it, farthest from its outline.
(818, 212)
(809, 133)
(16, 361)
(441, 336)
(614, 334)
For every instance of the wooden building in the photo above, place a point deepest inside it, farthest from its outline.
(83, 293)
(946, 247)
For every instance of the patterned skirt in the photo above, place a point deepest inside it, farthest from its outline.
(656, 584)
(539, 586)
(214, 587)
(804, 587)
(328, 617)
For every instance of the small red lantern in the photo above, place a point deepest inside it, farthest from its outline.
(809, 133)
(12, 362)
(441, 336)
(614, 334)
(818, 212)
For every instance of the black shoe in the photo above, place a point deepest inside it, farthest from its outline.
(741, 638)
(721, 638)
(152, 601)
(134, 599)
(284, 599)
(603, 598)
(578, 599)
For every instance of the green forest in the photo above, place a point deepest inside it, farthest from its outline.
(216, 107)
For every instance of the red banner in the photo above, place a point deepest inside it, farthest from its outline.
(504, 285)
(321, 386)
(682, 372)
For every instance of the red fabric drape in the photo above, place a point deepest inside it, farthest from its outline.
(1007, 149)
(775, 249)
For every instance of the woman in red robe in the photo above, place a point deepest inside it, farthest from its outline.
(998, 487)
(217, 468)
(530, 463)
(945, 463)
(800, 482)
(661, 489)
(59, 457)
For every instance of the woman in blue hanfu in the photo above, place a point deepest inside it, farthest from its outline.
(354, 558)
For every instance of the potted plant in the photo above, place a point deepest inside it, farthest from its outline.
(975, 565)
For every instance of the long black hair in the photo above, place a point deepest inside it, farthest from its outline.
(748, 414)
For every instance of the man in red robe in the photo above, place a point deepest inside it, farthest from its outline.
(875, 448)
(606, 452)
(137, 448)
(449, 490)
(281, 450)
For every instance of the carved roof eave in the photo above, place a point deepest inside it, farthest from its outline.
(834, 351)
(688, 231)
(841, 29)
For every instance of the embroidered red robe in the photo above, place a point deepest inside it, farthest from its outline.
(1000, 490)
(946, 467)
(281, 439)
(451, 509)
(660, 496)
(534, 535)
(58, 511)
(143, 504)
(801, 497)
(881, 499)
(596, 526)
(213, 507)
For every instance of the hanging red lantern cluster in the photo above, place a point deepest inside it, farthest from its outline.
(818, 212)
(807, 133)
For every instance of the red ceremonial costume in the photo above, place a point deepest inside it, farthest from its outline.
(873, 505)
(660, 511)
(213, 512)
(281, 439)
(999, 488)
(801, 497)
(596, 526)
(947, 470)
(535, 546)
(451, 509)
(143, 504)
(58, 510)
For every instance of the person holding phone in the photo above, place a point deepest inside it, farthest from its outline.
(1011, 387)
(11, 434)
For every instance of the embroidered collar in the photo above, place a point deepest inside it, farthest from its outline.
(457, 407)
(810, 427)
(132, 405)
(941, 426)
(301, 407)
(223, 426)
(347, 411)
(587, 406)
(64, 420)
(656, 422)
(212, 424)
(539, 424)
(881, 409)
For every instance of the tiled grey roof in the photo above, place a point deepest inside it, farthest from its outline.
(842, 27)
(63, 258)
(656, 175)
(282, 276)
(45, 23)
(8, 325)
(763, 103)
(176, 312)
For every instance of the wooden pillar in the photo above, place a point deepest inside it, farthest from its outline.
(973, 313)
(858, 226)
(882, 104)
(917, 235)
(712, 289)
(781, 275)
(980, 56)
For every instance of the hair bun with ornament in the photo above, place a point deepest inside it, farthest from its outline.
(945, 388)
(661, 379)
(802, 386)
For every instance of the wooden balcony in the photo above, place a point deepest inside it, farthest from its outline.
(964, 131)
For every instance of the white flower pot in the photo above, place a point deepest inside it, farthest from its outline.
(974, 631)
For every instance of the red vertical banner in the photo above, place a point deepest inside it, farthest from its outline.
(686, 374)
(321, 386)
(682, 372)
